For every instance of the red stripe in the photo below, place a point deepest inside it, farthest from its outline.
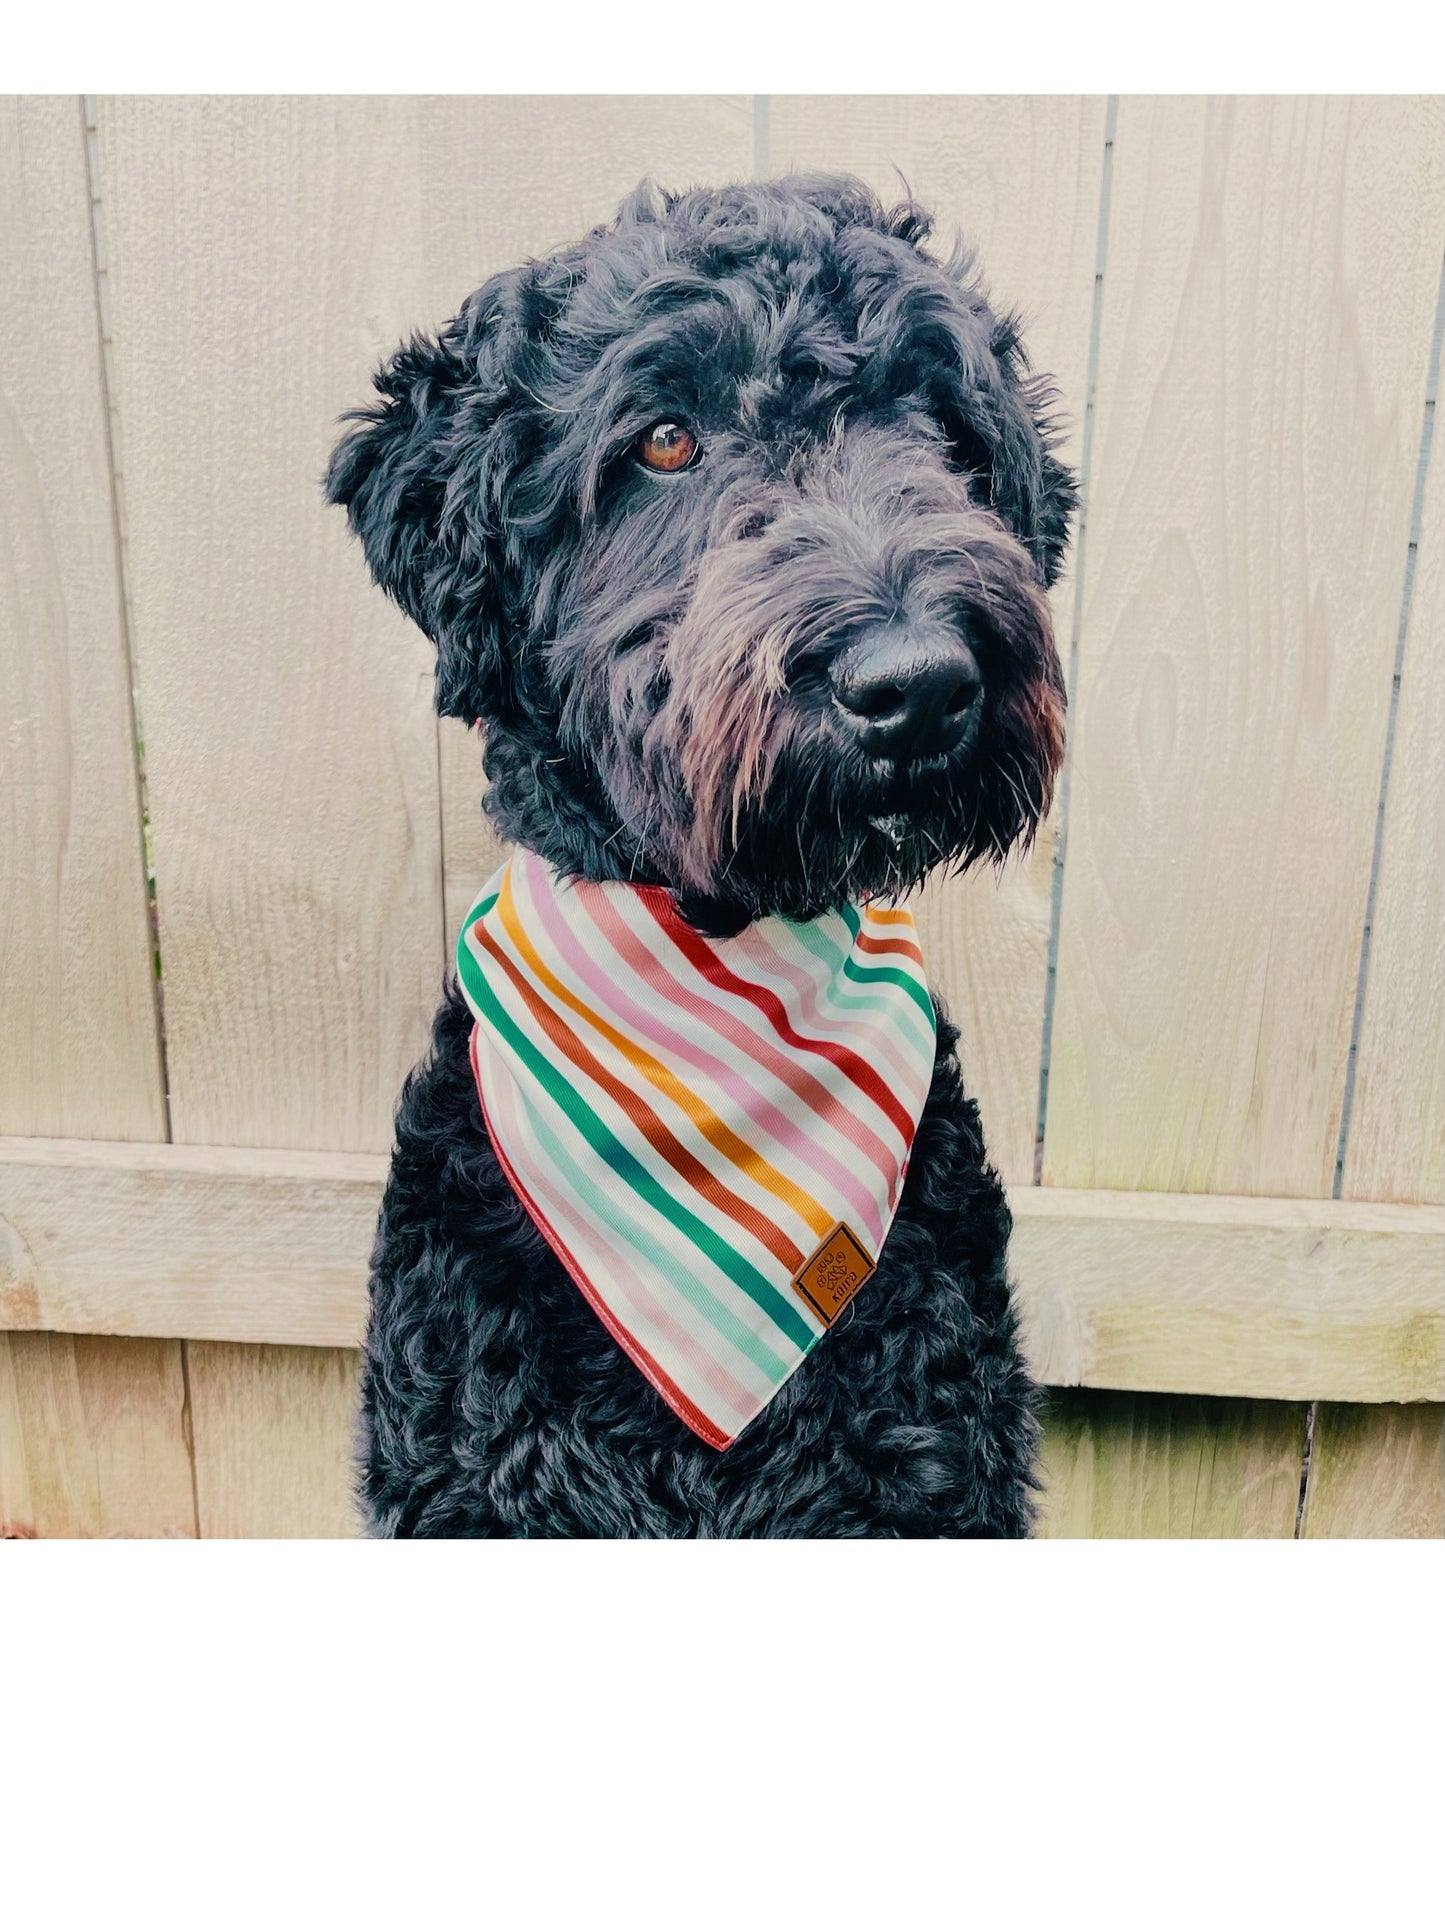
(701, 956)
(641, 1358)
(881, 945)
(770, 1236)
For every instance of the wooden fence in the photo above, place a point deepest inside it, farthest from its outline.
(234, 843)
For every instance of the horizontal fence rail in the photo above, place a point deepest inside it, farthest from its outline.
(1276, 1298)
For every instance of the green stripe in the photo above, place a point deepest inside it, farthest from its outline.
(631, 1232)
(886, 974)
(813, 939)
(731, 1263)
(478, 910)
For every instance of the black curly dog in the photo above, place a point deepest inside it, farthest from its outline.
(731, 526)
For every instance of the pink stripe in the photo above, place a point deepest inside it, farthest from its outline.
(744, 1404)
(824, 1104)
(758, 1108)
(863, 1035)
(723, 1012)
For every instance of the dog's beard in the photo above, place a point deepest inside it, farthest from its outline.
(833, 827)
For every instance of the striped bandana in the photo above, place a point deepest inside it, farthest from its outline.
(711, 1133)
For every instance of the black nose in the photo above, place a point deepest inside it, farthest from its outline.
(906, 692)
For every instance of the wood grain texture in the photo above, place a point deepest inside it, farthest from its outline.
(78, 1051)
(273, 1430)
(1260, 1297)
(1268, 1298)
(1268, 302)
(1377, 1472)
(291, 758)
(187, 1241)
(1396, 1143)
(1020, 179)
(1127, 1466)
(93, 1438)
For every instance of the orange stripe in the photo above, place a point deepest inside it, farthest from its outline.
(771, 1236)
(875, 915)
(735, 1149)
(882, 946)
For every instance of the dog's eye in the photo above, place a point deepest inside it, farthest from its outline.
(667, 447)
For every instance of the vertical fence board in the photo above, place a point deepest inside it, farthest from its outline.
(17, 1507)
(93, 1444)
(1124, 1465)
(254, 248)
(1377, 1472)
(78, 1055)
(1268, 303)
(1021, 179)
(1396, 1146)
(274, 1430)
(92, 1438)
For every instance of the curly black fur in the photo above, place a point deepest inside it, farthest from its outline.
(652, 659)
(496, 1405)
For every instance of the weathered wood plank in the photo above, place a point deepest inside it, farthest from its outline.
(78, 1050)
(1268, 303)
(93, 1438)
(1396, 1145)
(187, 1241)
(1020, 178)
(258, 255)
(273, 1441)
(1268, 1298)
(1126, 1466)
(1377, 1472)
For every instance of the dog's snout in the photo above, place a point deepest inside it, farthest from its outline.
(904, 693)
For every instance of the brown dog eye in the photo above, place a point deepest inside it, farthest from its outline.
(667, 446)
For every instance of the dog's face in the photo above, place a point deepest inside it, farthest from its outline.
(731, 525)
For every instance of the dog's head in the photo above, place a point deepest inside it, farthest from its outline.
(732, 525)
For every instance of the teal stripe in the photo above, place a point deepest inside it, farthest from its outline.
(886, 974)
(813, 939)
(731, 1263)
(631, 1232)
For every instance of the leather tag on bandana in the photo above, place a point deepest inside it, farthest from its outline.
(833, 1273)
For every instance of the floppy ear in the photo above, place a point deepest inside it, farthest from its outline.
(1001, 419)
(1032, 489)
(422, 475)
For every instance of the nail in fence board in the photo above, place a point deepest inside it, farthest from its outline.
(1269, 297)
(1020, 178)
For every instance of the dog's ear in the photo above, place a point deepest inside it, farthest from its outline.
(1032, 489)
(1002, 420)
(421, 474)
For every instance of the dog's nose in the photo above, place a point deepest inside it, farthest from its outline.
(906, 694)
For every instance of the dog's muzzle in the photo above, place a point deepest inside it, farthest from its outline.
(903, 693)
